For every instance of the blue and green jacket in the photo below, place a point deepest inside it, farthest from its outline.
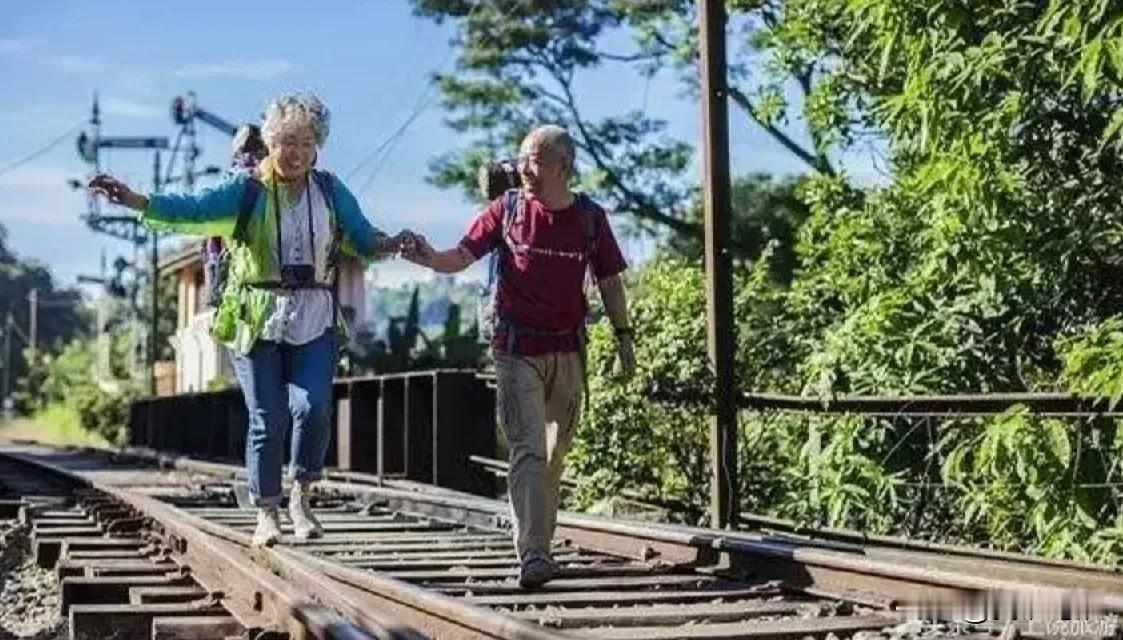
(241, 315)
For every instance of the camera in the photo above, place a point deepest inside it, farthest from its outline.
(297, 274)
(497, 176)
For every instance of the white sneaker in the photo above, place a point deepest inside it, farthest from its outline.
(304, 522)
(268, 527)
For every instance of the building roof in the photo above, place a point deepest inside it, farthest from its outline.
(185, 257)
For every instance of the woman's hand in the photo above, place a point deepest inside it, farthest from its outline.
(117, 192)
(417, 250)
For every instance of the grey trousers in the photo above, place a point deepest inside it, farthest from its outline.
(539, 404)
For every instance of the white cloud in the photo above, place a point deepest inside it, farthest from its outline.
(77, 64)
(17, 45)
(247, 69)
(131, 109)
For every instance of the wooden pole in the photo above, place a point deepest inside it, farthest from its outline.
(7, 362)
(33, 321)
(154, 331)
(720, 334)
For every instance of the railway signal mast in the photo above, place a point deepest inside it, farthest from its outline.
(126, 227)
(90, 143)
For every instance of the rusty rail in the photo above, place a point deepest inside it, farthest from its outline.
(442, 562)
(848, 571)
(225, 581)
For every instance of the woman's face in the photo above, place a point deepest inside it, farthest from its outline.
(293, 151)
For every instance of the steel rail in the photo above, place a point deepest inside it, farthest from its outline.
(904, 574)
(252, 594)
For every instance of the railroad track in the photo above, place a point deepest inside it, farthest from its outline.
(160, 547)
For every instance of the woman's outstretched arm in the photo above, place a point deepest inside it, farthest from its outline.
(212, 211)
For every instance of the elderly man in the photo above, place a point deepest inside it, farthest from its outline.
(547, 238)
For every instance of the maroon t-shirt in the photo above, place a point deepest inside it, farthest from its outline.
(542, 275)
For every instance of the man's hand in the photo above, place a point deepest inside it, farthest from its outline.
(117, 192)
(418, 250)
(626, 356)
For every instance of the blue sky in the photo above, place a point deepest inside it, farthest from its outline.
(369, 61)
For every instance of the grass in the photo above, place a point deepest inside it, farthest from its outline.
(57, 425)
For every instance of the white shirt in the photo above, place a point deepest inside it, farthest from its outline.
(299, 316)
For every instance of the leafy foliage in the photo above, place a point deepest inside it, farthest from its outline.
(989, 262)
(67, 379)
(763, 211)
(60, 316)
(407, 347)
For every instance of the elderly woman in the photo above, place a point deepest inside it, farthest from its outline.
(285, 224)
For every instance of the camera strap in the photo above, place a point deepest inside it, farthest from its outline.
(286, 284)
(311, 225)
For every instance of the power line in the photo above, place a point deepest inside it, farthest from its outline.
(420, 105)
(389, 145)
(15, 164)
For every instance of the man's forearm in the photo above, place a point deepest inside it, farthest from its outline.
(615, 301)
(453, 260)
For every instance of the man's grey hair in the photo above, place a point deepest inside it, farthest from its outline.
(296, 109)
(557, 142)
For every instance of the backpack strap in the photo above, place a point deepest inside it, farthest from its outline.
(325, 182)
(513, 203)
(250, 194)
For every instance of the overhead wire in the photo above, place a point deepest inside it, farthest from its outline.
(382, 151)
(15, 164)
(420, 105)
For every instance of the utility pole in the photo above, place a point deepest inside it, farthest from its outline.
(33, 316)
(720, 332)
(7, 363)
(154, 333)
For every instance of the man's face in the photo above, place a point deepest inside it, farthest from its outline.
(539, 168)
(293, 151)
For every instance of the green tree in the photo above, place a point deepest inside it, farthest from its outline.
(518, 66)
(990, 262)
(460, 349)
(764, 211)
(60, 317)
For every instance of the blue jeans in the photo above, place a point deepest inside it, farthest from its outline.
(286, 386)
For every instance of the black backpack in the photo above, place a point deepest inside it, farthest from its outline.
(216, 257)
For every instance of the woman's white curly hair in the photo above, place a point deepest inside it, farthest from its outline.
(295, 110)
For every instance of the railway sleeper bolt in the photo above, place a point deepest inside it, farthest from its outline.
(177, 544)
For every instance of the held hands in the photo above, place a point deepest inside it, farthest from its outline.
(415, 248)
(117, 192)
